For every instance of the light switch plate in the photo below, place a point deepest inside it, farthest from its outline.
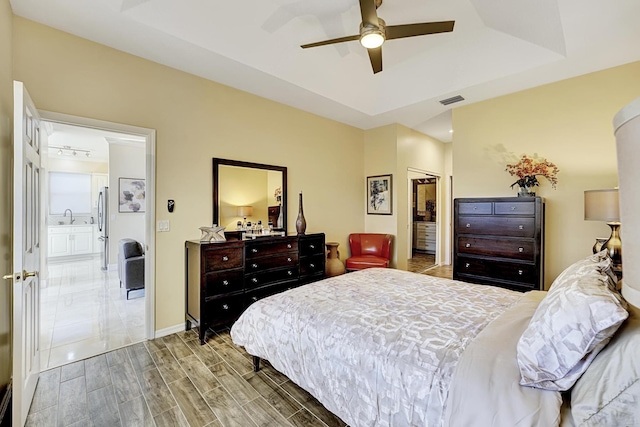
(163, 225)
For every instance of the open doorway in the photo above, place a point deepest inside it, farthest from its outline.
(423, 219)
(85, 309)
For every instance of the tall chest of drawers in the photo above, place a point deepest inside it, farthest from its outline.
(224, 278)
(500, 242)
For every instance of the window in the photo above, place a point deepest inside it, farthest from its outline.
(69, 191)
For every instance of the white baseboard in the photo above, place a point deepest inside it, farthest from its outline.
(170, 330)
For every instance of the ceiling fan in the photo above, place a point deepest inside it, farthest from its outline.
(374, 32)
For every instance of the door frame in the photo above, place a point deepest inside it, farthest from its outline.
(150, 176)
(411, 175)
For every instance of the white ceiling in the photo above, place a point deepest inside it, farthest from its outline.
(497, 47)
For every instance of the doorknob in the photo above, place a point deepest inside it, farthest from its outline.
(10, 277)
(26, 273)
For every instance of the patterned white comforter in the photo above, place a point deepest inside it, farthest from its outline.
(377, 347)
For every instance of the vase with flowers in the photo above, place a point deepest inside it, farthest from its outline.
(528, 169)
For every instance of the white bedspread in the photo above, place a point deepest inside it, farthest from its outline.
(377, 347)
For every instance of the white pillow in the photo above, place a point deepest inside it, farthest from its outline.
(577, 318)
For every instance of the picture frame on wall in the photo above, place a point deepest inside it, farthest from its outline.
(131, 195)
(379, 195)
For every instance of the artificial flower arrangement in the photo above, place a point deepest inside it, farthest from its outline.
(278, 194)
(529, 168)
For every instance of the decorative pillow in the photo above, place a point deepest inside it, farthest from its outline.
(608, 393)
(576, 319)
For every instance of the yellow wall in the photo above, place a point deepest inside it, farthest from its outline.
(569, 123)
(195, 120)
(6, 115)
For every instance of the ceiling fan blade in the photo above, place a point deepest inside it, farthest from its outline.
(410, 30)
(368, 12)
(375, 55)
(332, 41)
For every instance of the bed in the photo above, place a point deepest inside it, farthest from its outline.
(384, 347)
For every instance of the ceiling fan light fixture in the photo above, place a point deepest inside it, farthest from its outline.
(372, 37)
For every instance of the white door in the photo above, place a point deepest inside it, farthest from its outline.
(26, 252)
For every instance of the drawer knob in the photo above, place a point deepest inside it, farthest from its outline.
(225, 258)
(520, 249)
(254, 299)
(521, 227)
(225, 307)
(520, 272)
(475, 208)
(289, 246)
(312, 246)
(254, 265)
(289, 259)
(468, 245)
(467, 265)
(254, 280)
(254, 250)
(290, 273)
(468, 225)
(312, 265)
(225, 283)
(513, 208)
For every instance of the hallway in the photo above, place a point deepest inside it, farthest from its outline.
(84, 312)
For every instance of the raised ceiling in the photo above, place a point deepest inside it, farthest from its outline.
(497, 47)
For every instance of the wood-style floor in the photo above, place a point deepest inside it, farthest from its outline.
(173, 381)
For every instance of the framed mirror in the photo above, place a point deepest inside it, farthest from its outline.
(251, 192)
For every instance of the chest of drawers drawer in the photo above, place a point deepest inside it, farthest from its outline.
(312, 265)
(497, 247)
(311, 246)
(270, 277)
(223, 282)
(261, 249)
(500, 226)
(222, 258)
(505, 271)
(289, 260)
(218, 311)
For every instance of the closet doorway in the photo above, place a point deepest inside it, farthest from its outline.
(424, 222)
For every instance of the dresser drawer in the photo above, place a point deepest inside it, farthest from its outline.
(253, 296)
(312, 265)
(424, 245)
(513, 272)
(270, 247)
(425, 226)
(223, 282)
(475, 208)
(515, 208)
(282, 260)
(269, 277)
(223, 310)
(312, 246)
(502, 226)
(222, 258)
(506, 248)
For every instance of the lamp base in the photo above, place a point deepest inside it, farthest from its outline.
(614, 248)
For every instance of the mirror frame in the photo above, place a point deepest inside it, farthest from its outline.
(217, 162)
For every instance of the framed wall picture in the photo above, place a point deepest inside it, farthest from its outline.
(379, 193)
(131, 195)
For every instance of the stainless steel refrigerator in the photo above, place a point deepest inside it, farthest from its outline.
(103, 226)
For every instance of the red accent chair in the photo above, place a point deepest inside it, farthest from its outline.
(369, 250)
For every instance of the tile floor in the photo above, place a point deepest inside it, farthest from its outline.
(174, 381)
(84, 312)
(420, 261)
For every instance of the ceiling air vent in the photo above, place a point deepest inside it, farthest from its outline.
(451, 100)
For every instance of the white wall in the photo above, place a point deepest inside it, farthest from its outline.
(125, 161)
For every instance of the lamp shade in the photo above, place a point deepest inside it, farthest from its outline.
(602, 205)
(245, 210)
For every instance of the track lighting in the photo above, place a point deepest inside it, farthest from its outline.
(67, 150)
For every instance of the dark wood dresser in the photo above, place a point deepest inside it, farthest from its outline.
(224, 278)
(500, 242)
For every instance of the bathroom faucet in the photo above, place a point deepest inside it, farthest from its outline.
(71, 213)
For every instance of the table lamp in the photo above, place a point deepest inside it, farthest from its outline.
(603, 205)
